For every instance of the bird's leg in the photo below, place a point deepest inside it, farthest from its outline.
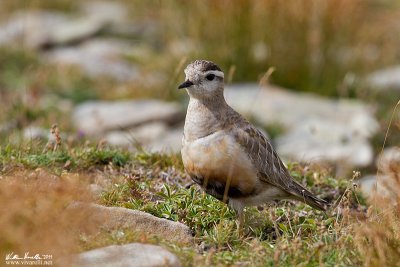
(240, 228)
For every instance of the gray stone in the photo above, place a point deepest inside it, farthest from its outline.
(317, 128)
(96, 189)
(381, 186)
(271, 104)
(72, 31)
(388, 78)
(385, 183)
(96, 117)
(37, 29)
(32, 132)
(389, 161)
(115, 14)
(112, 218)
(134, 254)
(30, 28)
(325, 141)
(97, 57)
(171, 142)
(141, 135)
(105, 11)
(8, 126)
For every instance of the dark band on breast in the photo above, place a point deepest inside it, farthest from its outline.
(216, 188)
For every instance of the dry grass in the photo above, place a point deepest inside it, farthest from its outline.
(378, 237)
(313, 45)
(33, 212)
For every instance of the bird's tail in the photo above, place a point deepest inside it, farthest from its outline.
(313, 201)
(302, 194)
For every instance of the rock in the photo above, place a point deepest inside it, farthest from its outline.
(367, 185)
(134, 254)
(325, 141)
(269, 105)
(31, 28)
(383, 186)
(141, 135)
(39, 29)
(388, 78)
(153, 137)
(72, 31)
(111, 218)
(317, 128)
(32, 132)
(105, 11)
(96, 117)
(389, 161)
(97, 57)
(386, 182)
(8, 126)
(96, 189)
(119, 24)
(171, 142)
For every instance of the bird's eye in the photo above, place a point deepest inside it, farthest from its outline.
(210, 77)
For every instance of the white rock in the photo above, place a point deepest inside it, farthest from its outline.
(97, 57)
(30, 27)
(73, 31)
(33, 132)
(141, 135)
(106, 11)
(277, 105)
(134, 254)
(96, 189)
(381, 186)
(325, 141)
(388, 78)
(317, 128)
(389, 161)
(96, 117)
(171, 142)
(112, 218)
(36, 29)
(386, 182)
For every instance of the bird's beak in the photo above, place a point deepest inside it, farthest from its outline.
(185, 84)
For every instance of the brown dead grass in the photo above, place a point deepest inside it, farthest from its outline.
(33, 212)
(378, 237)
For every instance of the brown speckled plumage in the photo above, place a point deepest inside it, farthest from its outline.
(229, 157)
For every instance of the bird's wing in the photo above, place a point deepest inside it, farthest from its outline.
(270, 167)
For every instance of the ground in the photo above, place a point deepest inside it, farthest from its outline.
(283, 233)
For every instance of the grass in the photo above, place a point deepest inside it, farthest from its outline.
(285, 233)
(313, 46)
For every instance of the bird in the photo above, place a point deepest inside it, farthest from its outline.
(225, 154)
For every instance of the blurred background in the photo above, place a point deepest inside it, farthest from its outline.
(320, 77)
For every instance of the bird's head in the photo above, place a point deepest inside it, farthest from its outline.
(204, 79)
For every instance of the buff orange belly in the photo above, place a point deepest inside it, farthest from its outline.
(218, 159)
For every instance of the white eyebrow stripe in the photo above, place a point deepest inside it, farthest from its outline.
(215, 72)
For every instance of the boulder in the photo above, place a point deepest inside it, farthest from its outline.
(31, 28)
(111, 218)
(170, 142)
(388, 78)
(386, 182)
(141, 135)
(325, 141)
(42, 29)
(97, 57)
(389, 161)
(134, 254)
(97, 117)
(316, 128)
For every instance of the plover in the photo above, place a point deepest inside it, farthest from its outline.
(228, 156)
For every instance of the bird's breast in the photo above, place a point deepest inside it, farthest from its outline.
(218, 160)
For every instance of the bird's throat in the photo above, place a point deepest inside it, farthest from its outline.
(203, 117)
